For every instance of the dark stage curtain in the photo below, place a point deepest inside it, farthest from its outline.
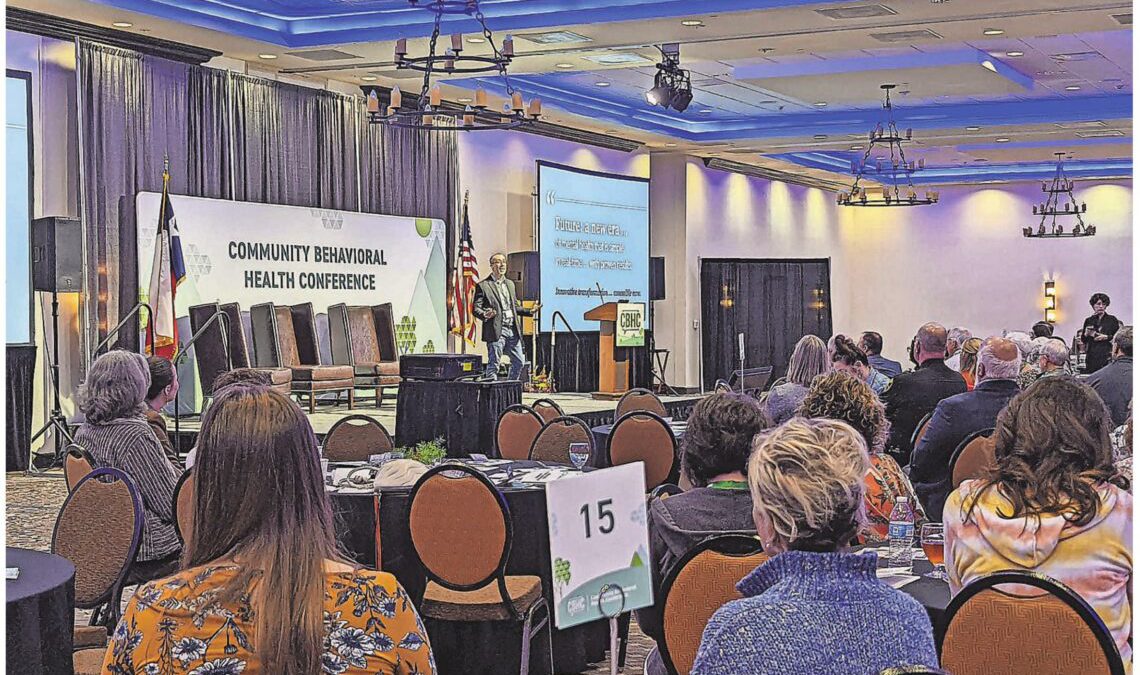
(21, 368)
(567, 353)
(773, 302)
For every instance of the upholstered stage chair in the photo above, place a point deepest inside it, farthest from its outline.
(215, 355)
(280, 379)
(642, 436)
(286, 337)
(354, 339)
(515, 431)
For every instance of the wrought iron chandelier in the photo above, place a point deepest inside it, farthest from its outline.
(891, 169)
(1051, 207)
(428, 112)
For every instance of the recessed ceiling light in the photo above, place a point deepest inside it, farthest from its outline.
(476, 40)
(820, 137)
(993, 31)
(1014, 55)
(122, 24)
(601, 83)
(820, 104)
(981, 159)
(1073, 87)
(856, 147)
(267, 57)
(564, 66)
(369, 78)
(989, 65)
(972, 128)
(464, 99)
(1003, 139)
(693, 23)
(705, 111)
(670, 145)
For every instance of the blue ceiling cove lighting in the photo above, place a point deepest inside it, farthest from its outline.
(312, 23)
(942, 175)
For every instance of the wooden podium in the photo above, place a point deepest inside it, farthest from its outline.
(613, 370)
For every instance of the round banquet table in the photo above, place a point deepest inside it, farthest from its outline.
(932, 594)
(355, 519)
(41, 612)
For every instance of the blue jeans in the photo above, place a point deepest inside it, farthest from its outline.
(510, 343)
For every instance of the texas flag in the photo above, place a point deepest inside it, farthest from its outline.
(167, 271)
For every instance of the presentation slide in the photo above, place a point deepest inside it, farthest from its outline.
(17, 223)
(593, 230)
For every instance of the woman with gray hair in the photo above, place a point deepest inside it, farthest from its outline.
(807, 609)
(117, 435)
(809, 359)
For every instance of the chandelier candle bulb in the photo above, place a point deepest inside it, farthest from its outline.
(535, 109)
(373, 103)
(517, 102)
(468, 116)
(397, 98)
(456, 42)
(480, 98)
(401, 48)
(508, 49)
(435, 97)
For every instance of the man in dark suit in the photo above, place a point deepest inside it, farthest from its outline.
(912, 395)
(498, 307)
(955, 418)
(872, 343)
(1114, 382)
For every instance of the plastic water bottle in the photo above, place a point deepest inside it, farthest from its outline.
(900, 535)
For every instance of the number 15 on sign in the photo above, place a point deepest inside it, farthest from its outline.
(599, 539)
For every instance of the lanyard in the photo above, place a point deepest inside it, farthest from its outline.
(729, 485)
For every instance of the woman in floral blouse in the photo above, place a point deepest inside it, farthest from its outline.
(262, 588)
(839, 396)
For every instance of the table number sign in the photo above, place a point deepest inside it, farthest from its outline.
(599, 541)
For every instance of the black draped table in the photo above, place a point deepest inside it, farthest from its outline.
(21, 370)
(932, 594)
(489, 648)
(462, 412)
(41, 613)
(602, 440)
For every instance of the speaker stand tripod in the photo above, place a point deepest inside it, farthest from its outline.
(55, 420)
(656, 364)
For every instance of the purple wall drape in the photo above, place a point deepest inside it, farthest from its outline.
(230, 136)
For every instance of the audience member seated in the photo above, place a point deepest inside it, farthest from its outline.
(263, 589)
(1114, 382)
(715, 449)
(955, 338)
(1042, 329)
(814, 607)
(1122, 448)
(913, 395)
(872, 344)
(250, 376)
(849, 358)
(1050, 505)
(838, 396)
(968, 361)
(1030, 371)
(999, 362)
(163, 389)
(1050, 359)
(117, 435)
(809, 359)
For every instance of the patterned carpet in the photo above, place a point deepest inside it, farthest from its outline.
(32, 505)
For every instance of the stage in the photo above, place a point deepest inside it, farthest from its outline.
(592, 412)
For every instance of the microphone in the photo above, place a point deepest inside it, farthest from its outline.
(600, 293)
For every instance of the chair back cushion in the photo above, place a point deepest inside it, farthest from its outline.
(184, 506)
(77, 463)
(700, 583)
(552, 444)
(641, 436)
(355, 438)
(305, 329)
(1023, 623)
(99, 529)
(239, 346)
(362, 335)
(386, 331)
(547, 409)
(209, 351)
(516, 430)
(459, 526)
(286, 337)
(640, 399)
(973, 458)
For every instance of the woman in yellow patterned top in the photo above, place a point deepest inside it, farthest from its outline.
(262, 588)
(839, 396)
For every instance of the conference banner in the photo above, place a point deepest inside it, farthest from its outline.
(253, 253)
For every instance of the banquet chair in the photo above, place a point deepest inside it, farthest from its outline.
(639, 399)
(920, 430)
(697, 585)
(184, 505)
(642, 436)
(547, 409)
(913, 670)
(98, 529)
(1034, 625)
(356, 438)
(461, 532)
(722, 387)
(354, 342)
(516, 430)
(77, 463)
(973, 457)
(286, 337)
(664, 490)
(552, 444)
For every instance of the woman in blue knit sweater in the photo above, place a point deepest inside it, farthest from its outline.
(813, 607)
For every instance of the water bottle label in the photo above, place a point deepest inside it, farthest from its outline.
(900, 531)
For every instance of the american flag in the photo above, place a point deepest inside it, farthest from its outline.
(465, 277)
(167, 271)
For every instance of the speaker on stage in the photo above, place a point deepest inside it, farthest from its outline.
(657, 278)
(57, 251)
(522, 268)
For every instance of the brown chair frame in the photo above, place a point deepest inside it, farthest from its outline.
(619, 412)
(567, 420)
(340, 344)
(634, 415)
(343, 422)
(958, 451)
(76, 453)
(514, 409)
(272, 357)
(735, 545)
(183, 513)
(548, 404)
(499, 575)
(1051, 587)
(919, 430)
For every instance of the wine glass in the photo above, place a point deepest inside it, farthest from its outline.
(934, 546)
(579, 454)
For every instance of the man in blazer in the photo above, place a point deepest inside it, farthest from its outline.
(498, 307)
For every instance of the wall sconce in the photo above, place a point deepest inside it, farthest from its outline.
(725, 299)
(1050, 302)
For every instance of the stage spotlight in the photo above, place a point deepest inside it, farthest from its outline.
(671, 85)
(659, 94)
(682, 99)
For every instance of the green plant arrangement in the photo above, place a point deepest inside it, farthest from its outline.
(427, 452)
